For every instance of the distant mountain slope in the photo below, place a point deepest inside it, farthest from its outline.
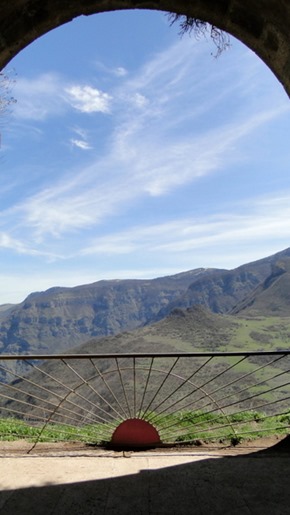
(193, 329)
(5, 309)
(221, 290)
(272, 297)
(183, 330)
(61, 318)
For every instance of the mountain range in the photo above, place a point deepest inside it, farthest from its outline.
(60, 319)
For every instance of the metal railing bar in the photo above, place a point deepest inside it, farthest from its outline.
(34, 407)
(114, 355)
(108, 387)
(46, 424)
(278, 428)
(97, 432)
(49, 420)
(178, 377)
(35, 417)
(123, 386)
(23, 378)
(247, 375)
(199, 387)
(48, 438)
(184, 381)
(218, 437)
(18, 390)
(145, 388)
(184, 430)
(160, 387)
(44, 419)
(11, 410)
(191, 427)
(45, 401)
(252, 386)
(240, 401)
(71, 391)
(134, 387)
(104, 404)
(176, 411)
(248, 387)
(194, 424)
(78, 430)
(232, 382)
(95, 391)
(27, 380)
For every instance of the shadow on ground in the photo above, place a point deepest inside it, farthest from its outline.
(252, 484)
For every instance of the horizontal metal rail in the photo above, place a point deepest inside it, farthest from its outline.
(141, 355)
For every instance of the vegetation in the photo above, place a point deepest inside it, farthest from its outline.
(195, 426)
(187, 426)
(12, 429)
(6, 99)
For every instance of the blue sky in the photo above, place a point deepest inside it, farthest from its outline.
(132, 152)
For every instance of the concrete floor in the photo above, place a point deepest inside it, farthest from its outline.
(233, 482)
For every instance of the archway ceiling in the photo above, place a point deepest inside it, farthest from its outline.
(263, 25)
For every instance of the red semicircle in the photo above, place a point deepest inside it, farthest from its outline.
(135, 432)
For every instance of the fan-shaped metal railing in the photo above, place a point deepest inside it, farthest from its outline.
(145, 400)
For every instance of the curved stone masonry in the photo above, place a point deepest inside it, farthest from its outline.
(262, 25)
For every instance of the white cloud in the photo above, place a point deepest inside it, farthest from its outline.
(88, 100)
(48, 95)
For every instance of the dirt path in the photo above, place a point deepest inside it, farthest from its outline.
(73, 479)
(23, 447)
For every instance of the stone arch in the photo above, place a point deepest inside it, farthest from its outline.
(262, 25)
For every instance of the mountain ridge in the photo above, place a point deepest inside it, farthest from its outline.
(62, 318)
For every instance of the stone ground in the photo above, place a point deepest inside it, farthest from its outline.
(250, 479)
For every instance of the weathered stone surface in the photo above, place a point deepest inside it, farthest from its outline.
(263, 25)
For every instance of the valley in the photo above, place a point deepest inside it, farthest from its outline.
(250, 316)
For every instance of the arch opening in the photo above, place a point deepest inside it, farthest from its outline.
(159, 148)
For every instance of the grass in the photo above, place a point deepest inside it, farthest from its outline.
(12, 429)
(267, 333)
(211, 426)
(181, 427)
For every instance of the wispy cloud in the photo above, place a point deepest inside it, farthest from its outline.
(80, 143)
(81, 140)
(120, 71)
(21, 247)
(39, 97)
(169, 131)
(259, 220)
(105, 70)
